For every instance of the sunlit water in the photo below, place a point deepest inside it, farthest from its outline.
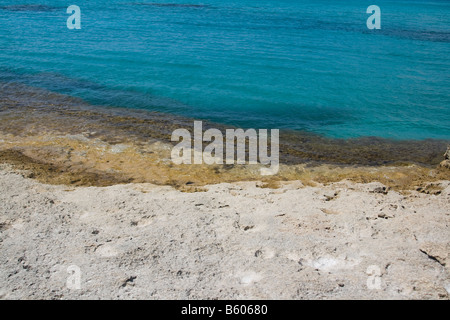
(304, 65)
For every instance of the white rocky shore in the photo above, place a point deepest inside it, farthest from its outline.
(235, 241)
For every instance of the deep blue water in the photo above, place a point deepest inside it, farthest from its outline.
(305, 65)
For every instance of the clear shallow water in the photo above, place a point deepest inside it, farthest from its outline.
(303, 65)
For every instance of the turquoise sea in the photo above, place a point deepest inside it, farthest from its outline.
(309, 65)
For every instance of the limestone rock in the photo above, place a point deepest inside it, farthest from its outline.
(446, 162)
(435, 251)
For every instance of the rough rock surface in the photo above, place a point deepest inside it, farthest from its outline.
(234, 241)
(446, 162)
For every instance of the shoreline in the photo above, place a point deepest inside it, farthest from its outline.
(97, 192)
(63, 140)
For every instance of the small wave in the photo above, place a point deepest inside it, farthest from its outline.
(420, 35)
(29, 7)
(173, 5)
